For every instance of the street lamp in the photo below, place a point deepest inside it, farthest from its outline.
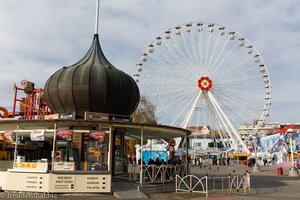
(293, 171)
(256, 167)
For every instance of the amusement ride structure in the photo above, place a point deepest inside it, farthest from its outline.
(31, 102)
(205, 74)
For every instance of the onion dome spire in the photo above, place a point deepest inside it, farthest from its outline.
(92, 84)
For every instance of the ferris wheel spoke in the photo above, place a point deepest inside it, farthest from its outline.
(202, 53)
(220, 53)
(240, 106)
(213, 53)
(224, 58)
(241, 79)
(196, 55)
(235, 96)
(207, 52)
(176, 117)
(175, 69)
(232, 112)
(176, 100)
(188, 51)
(183, 57)
(177, 58)
(232, 68)
(181, 52)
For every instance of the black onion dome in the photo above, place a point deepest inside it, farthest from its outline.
(92, 84)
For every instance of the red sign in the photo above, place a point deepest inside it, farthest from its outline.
(97, 135)
(64, 135)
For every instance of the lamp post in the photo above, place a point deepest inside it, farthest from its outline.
(293, 171)
(256, 167)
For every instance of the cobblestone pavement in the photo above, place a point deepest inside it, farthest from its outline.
(265, 184)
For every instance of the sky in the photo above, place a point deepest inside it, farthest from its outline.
(38, 37)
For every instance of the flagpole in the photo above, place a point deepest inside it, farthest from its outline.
(97, 17)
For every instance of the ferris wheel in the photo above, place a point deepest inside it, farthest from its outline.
(205, 74)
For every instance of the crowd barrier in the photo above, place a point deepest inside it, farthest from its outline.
(192, 183)
(156, 173)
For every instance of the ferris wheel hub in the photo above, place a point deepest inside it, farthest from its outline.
(204, 83)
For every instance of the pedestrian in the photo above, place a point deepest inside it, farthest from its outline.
(200, 162)
(228, 160)
(265, 161)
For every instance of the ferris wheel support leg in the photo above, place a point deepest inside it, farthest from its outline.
(188, 117)
(228, 122)
(233, 143)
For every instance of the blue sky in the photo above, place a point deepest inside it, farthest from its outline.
(39, 37)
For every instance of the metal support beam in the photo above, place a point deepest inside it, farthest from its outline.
(53, 146)
(110, 149)
(141, 170)
(237, 136)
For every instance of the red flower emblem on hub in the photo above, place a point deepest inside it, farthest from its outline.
(204, 83)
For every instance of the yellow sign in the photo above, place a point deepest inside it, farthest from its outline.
(25, 165)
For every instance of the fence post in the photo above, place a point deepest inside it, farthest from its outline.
(206, 186)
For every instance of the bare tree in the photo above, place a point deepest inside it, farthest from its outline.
(145, 113)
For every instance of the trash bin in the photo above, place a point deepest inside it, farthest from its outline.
(279, 171)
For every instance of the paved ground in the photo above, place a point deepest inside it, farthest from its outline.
(265, 184)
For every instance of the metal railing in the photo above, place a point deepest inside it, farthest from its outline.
(191, 183)
(155, 173)
(241, 183)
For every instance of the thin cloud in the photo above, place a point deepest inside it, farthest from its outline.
(39, 37)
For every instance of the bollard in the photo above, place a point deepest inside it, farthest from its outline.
(279, 171)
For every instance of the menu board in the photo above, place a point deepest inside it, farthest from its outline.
(64, 182)
(34, 182)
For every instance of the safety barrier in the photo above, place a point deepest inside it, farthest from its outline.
(241, 182)
(191, 183)
(155, 173)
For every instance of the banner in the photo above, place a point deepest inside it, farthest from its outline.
(8, 135)
(64, 135)
(37, 135)
(97, 135)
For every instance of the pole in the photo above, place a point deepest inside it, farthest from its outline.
(16, 145)
(15, 100)
(97, 17)
(292, 152)
(53, 147)
(256, 167)
(141, 171)
(110, 150)
(292, 171)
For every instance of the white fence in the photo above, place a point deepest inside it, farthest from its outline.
(239, 183)
(156, 173)
(191, 183)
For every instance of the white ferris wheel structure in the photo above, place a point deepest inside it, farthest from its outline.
(205, 74)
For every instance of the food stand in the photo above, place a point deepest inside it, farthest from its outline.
(69, 156)
(70, 159)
